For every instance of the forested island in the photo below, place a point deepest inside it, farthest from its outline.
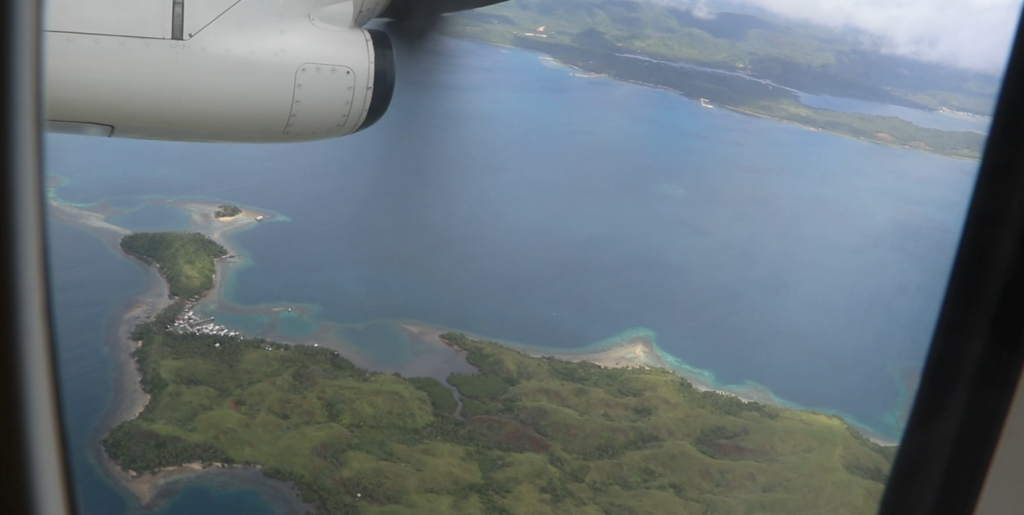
(185, 260)
(728, 50)
(523, 435)
(227, 211)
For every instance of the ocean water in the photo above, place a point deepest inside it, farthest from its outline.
(89, 284)
(152, 216)
(507, 198)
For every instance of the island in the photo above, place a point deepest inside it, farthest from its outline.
(744, 62)
(227, 211)
(522, 434)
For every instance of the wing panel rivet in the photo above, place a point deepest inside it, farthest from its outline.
(204, 48)
(148, 43)
(299, 86)
(96, 40)
(70, 38)
(122, 42)
(253, 52)
(228, 50)
(303, 70)
(276, 54)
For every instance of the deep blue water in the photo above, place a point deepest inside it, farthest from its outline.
(510, 199)
(89, 282)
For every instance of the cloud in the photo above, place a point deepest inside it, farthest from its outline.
(972, 34)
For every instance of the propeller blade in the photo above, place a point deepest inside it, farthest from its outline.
(413, 29)
(403, 10)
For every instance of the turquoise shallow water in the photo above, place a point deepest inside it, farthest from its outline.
(152, 217)
(291, 324)
(386, 343)
(509, 199)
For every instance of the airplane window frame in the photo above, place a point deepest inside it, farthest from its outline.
(966, 388)
(36, 476)
(974, 362)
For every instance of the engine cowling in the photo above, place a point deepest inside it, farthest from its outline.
(255, 70)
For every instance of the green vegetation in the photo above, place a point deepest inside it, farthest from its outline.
(227, 211)
(594, 35)
(440, 396)
(185, 259)
(537, 435)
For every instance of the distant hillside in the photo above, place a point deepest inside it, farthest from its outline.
(811, 59)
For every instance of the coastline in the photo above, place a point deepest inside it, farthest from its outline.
(129, 400)
(826, 131)
(245, 213)
(641, 351)
(150, 490)
(638, 350)
(747, 112)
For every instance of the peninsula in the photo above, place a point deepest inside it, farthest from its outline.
(522, 434)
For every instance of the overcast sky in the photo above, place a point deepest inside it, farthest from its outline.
(973, 34)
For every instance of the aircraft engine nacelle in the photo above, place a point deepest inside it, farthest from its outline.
(216, 70)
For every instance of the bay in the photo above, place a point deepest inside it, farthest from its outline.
(919, 117)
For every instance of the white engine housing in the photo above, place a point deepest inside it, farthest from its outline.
(241, 70)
